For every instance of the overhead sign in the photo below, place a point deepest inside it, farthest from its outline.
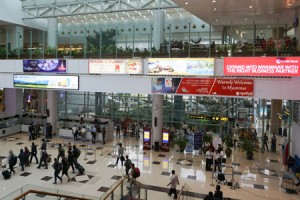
(46, 82)
(204, 86)
(262, 66)
(42, 65)
(181, 66)
(118, 66)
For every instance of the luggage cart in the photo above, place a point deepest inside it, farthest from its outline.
(288, 182)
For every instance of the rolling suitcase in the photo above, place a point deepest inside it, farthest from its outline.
(221, 177)
(80, 169)
(6, 174)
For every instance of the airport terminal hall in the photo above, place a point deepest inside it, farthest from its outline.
(149, 99)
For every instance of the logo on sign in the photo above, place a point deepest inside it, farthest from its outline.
(283, 61)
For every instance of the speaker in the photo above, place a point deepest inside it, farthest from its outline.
(155, 121)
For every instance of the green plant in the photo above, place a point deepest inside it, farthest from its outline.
(228, 141)
(248, 146)
(181, 142)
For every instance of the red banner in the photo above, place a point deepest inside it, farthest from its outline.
(223, 87)
(262, 66)
(204, 86)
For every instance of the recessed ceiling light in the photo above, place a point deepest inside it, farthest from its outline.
(215, 8)
(245, 19)
(214, 1)
(186, 3)
(216, 20)
(250, 6)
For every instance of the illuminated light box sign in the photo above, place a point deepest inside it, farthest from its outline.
(204, 86)
(262, 66)
(48, 65)
(146, 136)
(118, 66)
(165, 138)
(181, 66)
(46, 82)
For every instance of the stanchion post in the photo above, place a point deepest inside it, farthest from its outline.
(85, 158)
(212, 179)
(95, 155)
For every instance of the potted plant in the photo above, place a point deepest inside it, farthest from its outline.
(248, 146)
(228, 141)
(181, 142)
(207, 139)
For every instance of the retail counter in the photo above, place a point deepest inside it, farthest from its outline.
(67, 133)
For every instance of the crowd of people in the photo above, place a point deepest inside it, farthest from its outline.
(61, 165)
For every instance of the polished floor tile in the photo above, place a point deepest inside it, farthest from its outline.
(259, 179)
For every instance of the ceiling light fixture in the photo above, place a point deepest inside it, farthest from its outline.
(250, 6)
(214, 1)
(186, 3)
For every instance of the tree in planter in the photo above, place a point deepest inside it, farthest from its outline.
(248, 146)
(181, 141)
(107, 40)
(207, 139)
(228, 140)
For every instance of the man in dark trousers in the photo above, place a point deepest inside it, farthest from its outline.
(57, 168)
(173, 182)
(33, 153)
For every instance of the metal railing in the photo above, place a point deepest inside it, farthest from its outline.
(185, 193)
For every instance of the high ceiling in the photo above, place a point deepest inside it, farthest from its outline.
(242, 12)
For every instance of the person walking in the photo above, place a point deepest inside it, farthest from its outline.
(21, 157)
(57, 168)
(218, 193)
(173, 182)
(12, 161)
(127, 165)
(266, 141)
(103, 135)
(43, 159)
(26, 156)
(94, 134)
(120, 154)
(75, 132)
(209, 159)
(65, 167)
(71, 160)
(61, 151)
(33, 153)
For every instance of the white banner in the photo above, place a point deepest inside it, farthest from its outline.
(118, 66)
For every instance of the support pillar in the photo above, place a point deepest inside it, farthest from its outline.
(297, 29)
(52, 109)
(52, 32)
(157, 117)
(41, 101)
(13, 101)
(15, 37)
(158, 28)
(276, 107)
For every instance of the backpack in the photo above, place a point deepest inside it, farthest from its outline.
(77, 153)
(136, 172)
(59, 167)
(14, 160)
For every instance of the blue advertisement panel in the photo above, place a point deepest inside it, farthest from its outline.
(197, 140)
(45, 65)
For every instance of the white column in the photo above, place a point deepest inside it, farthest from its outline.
(52, 32)
(158, 28)
(15, 36)
(157, 117)
(41, 102)
(13, 101)
(52, 108)
(297, 29)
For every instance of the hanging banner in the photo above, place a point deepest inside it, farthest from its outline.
(181, 66)
(204, 86)
(262, 66)
(118, 66)
(46, 82)
(41, 65)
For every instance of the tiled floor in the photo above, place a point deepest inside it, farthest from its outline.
(259, 178)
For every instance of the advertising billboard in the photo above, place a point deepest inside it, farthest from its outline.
(45, 65)
(117, 66)
(204, 86)
(181, 66)
(262, 66)
(46, 82)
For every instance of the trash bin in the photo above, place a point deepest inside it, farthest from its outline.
(156, 146)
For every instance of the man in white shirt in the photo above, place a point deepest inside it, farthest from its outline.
(209, 159)
(173, 182)
(75, 132)
(83, 131)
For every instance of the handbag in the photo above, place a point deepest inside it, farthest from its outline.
(122, 158)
